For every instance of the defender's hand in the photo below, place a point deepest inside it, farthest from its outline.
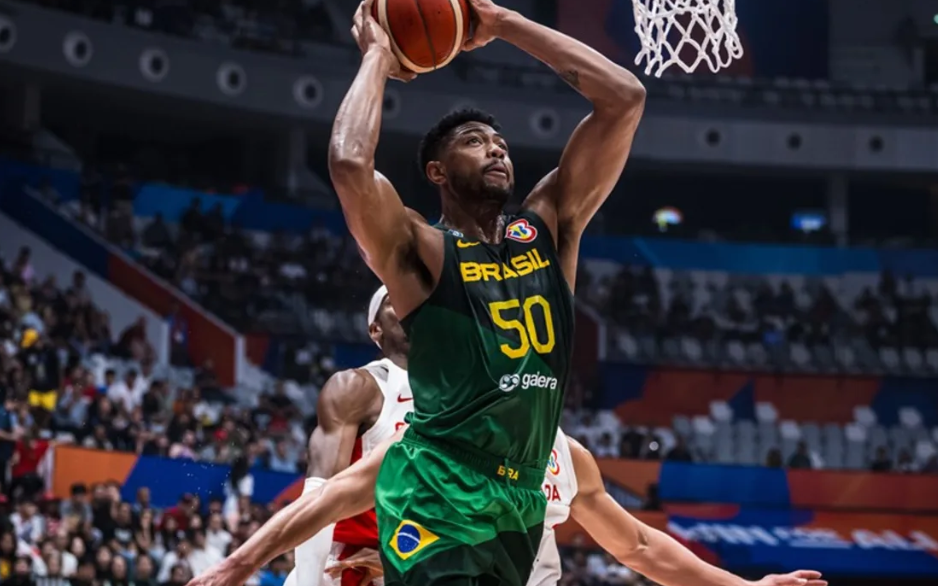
(371, 37)
(219, 575)
(367, 560)
(486, 18)
(799, 578)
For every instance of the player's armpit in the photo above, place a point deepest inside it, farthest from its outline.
(347, 400)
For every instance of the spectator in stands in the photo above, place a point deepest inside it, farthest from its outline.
(177, 557)
(207, 381)
(180, 513)
(201, 556)
(881, 462)
(133, 343)
(276, 573)
(239, 485)
(281, 460)
(124, 393)
(9, 435)
(22, 572)
(26, 481)
(78, 505)
(905, 463)
(178, 337)
(680, 451)
(42, 365)
(773, 459)
(28, 525)
(184, 449)
(23, 267)
(931, 465)
(144, 570)
(156, 234)
(801, 458)
(192, 222)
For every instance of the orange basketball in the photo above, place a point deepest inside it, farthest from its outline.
(425, 34)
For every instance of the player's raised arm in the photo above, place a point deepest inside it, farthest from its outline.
(373, 209)
(349, 493)
(596, 153)
(645, 549)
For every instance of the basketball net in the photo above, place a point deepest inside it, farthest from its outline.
(686, 33)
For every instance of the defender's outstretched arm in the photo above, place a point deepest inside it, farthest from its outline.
(348, 493)
(645, 549)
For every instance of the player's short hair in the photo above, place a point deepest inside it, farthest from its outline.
(436, 137)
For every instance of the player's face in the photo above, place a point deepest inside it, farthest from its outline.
(390, 333)
(477, 163)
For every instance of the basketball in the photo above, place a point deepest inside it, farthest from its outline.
(425, 34)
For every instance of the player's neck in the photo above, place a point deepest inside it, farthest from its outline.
(483, 219)
(398, 358)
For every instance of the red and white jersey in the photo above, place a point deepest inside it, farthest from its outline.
(360, 532)
(560, 487)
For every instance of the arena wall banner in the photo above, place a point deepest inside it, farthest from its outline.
(747, 487)
(776, 488)
(166, 478)
(846, 544)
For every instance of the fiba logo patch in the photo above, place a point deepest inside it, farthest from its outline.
(521, 231)
(509, 382)
(410, 538)
(553, 465)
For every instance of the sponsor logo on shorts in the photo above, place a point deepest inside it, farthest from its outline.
(409, 538)
(510, 382)
(521, 231)
(553, 465)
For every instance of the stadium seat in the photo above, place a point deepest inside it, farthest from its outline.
(692, 350)
(799, 355)
(682, 426)
(736, 353)
(721, 412)
(913, 359)
(766, 412)
(877, 437)
(627, 345)
(889, 357)
(931, 359)
(910, 417)
(863, 415)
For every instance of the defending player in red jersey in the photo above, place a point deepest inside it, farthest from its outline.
(357, 410)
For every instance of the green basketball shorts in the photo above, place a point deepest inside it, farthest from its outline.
(448, 516)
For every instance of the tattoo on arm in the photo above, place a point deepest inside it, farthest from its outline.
(571, 76)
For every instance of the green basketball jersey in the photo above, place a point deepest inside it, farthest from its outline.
(490, 349)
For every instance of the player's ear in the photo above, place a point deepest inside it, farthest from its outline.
(436, 173)
(374, 332)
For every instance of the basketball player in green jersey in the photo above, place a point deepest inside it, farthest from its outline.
(486, 300)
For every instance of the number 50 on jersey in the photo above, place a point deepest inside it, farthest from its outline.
(523, 318)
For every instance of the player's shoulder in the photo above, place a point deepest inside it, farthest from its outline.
(351, 387)
(416, 217)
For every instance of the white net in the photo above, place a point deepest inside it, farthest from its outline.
(686, 33)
